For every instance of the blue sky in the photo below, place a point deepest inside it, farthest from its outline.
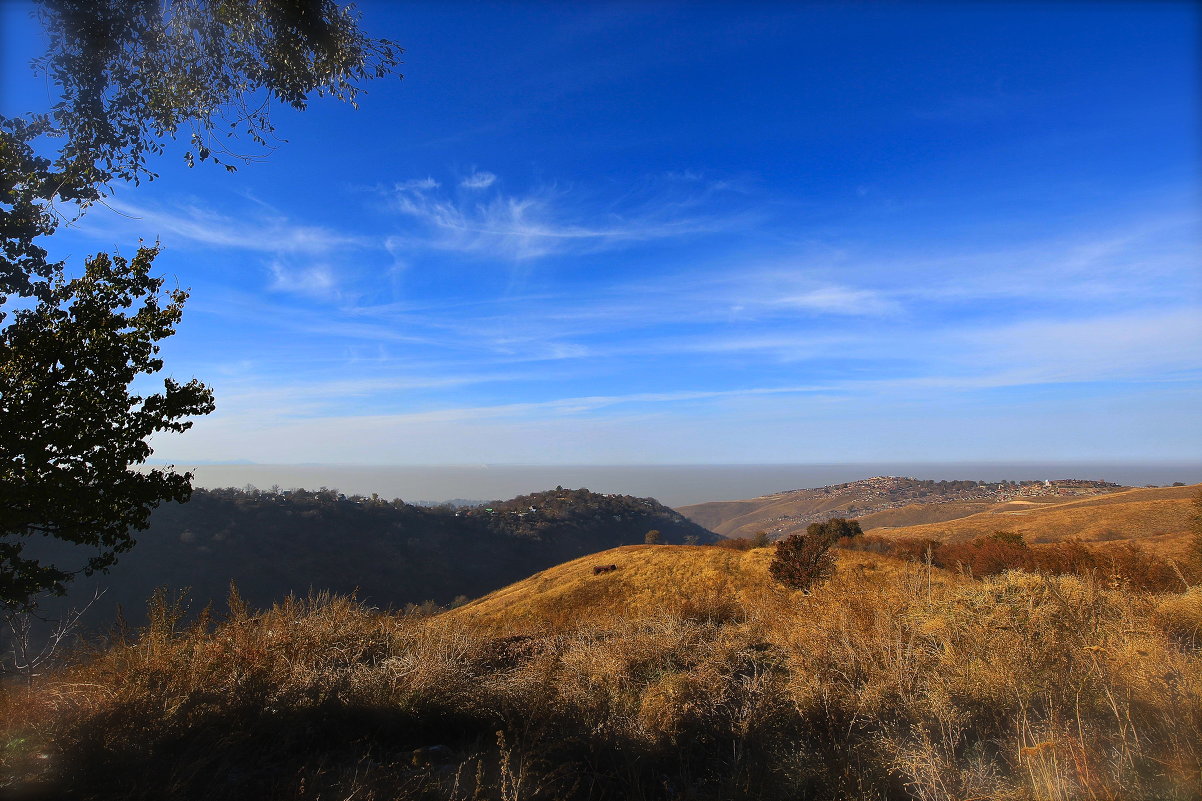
(702, 233)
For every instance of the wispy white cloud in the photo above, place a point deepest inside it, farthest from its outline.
(416, 185)
(314, 280)
(1145, 344)
(840, 300)
(540, 223)
(280, 397)
(263, 232)
(478, 180)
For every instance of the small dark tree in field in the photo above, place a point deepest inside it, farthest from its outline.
(835, 529)
(654, 537)
(803, 561)
(760, 540)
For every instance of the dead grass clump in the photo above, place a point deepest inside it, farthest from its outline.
(1180, 617)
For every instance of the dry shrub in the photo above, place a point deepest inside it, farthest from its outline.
(1128, 563)
(913, 548)
(871, 543)
(735, 544)
(1180, 617)
(803, 561)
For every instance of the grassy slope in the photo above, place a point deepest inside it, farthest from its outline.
(1157, 517)
(745, 518)
(918, 513)
(652, 579)
(878, 685)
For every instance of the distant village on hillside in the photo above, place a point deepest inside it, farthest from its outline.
(880, 493)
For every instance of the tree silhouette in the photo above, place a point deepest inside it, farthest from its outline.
(131, 75)
(835, 529)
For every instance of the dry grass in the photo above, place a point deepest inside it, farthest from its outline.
(1158, 518)
(919, 513)
(891, 682)
(1160, 512)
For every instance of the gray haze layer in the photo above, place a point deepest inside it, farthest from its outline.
(673, 485)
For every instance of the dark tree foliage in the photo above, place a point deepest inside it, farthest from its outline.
(134, 72)
(132, 75)
(803, 561)
(72, 427)
(835, 529)
(29, 183)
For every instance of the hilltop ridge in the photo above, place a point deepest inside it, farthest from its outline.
(783, 513)
(272, 543)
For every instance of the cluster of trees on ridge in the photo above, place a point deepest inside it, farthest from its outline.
(388, 552)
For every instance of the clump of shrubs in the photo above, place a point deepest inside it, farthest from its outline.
(803, 561)
(759, 540)
(996, 553)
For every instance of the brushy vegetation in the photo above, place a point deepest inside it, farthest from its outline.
(1122, 563)
(895, 682)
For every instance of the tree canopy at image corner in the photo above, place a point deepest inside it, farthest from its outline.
(133, 76)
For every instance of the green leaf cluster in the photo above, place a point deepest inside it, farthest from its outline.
(75, 352)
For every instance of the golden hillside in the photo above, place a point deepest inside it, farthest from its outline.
(1017, 686)
(1158, 516)
(881, 501)
(771, 513)
(650, 579)
(918, 513)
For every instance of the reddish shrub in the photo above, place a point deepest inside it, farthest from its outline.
(915, 549)
(803, 561)
(735, 544)
(1133, 565)
(1060, 558)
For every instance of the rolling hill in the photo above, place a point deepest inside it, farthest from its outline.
(389, 553)
(956, 511)
(683, 667)
(882, 500)
(1156, 517)
(688, 581)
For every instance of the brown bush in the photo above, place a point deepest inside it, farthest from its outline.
(803, 561)
(735, 544)
(1070, 557)
(987, 556)
(984, 556)
(914, 549)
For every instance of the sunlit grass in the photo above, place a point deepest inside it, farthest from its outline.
(683, 674)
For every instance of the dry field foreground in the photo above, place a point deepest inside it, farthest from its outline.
(891, 682)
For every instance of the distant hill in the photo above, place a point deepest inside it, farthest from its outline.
(393, 554)
(879, 501)
(1156, 517)
(917, 513)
